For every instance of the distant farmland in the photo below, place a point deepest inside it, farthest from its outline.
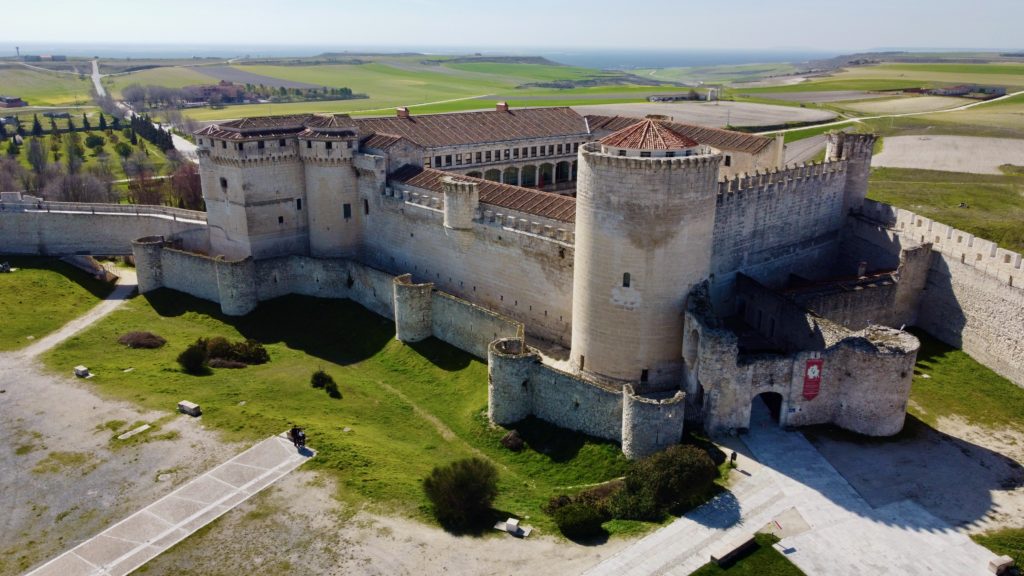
(239, 76)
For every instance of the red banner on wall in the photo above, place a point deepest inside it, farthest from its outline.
(812, 378)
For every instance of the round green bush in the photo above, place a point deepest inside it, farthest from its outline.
(462, 492)
(319, 379)
(579, 520)
(678, 475)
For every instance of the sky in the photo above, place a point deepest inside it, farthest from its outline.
(522, 25)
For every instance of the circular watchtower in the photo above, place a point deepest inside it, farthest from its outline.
(645, 213)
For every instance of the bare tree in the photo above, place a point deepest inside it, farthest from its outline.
(186, 188)
(12, 175)
(78, 188)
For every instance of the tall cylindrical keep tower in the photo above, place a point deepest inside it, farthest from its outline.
(645, 216)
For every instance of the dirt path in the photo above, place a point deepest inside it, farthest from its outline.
(127, 284)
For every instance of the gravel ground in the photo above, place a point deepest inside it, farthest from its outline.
(717, 114)
(971, 154)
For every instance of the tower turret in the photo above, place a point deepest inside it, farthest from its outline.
(856, 150)
(645, 213)
(461, 200)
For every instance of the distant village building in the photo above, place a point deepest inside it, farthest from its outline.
(12, 102)
(969, 90)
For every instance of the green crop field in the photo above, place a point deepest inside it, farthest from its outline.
(717, 74)
(44, 88)
(405, 408)
(43, 295)
(995, 202)
(170, 77)
(524, 73)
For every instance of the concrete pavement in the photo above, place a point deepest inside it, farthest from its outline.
(782, 473)
(139, 538)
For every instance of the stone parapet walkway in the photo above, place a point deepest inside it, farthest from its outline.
(139, 538)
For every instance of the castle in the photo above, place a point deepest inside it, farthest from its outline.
(625, 278)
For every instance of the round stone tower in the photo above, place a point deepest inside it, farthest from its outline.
(645, 216)
(461, 199)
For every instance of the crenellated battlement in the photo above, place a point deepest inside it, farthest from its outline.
(982, 254)
(633, 163)
(733, 188)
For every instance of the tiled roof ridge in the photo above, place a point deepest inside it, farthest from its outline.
(649, 134)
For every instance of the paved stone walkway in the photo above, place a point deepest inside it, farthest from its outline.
(139, 538)
(847, 537)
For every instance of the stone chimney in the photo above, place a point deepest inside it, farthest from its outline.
(402, 111)
(502, 107)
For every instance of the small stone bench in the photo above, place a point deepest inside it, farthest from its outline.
(190, 408)
(1000, 565)
(727, 551)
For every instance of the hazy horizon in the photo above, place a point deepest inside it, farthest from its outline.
(532, 26)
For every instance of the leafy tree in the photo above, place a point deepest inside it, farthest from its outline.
(12, 148)
(579, 520)
(37, 128)
(678, 475)
(462, 492)
(94, 141)
(123, 149)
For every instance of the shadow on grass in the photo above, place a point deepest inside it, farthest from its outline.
(442, 355)
(558, 444)
(98, 288)
(338, 331)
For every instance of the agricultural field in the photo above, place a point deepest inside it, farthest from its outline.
(404, 408)
(43, 88)
(994, 203)
(718, 74)
(905, 104)
(43, 295)
(950, 153)
(170, 77)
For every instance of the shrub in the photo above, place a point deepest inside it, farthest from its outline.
(250, 352)
(194, 358)
(579, 520)
(225, 363)
(513, 441)
(219, 347)
(332, 390)
(675, 476)
(94, 141)
(141, 340)
(627, 504)
(556, 502)
(320, 379)
(462, 492)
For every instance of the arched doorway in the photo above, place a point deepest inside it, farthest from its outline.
(563, 172)
(510, 176)
(528, 176)
(546, 175)
(765, 406)
(494, 175)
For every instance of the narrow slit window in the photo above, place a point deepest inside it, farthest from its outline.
(626, 280)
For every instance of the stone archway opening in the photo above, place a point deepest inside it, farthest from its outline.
(769, 404)
(494, 175)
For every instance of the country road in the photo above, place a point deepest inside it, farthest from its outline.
(100, 90)
(881, 116)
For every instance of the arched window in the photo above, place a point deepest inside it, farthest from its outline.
(625, 280)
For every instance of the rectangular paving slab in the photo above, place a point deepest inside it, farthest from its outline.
(144, 535)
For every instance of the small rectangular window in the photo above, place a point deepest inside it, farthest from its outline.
(645, 154)
(533, 151)
(282, 143)
(329, 145)
(437, 161)
(622, 152)
(366, 206)
(582, 361)
(559, 148)
(551, 149)
(448, 160)
(347, 211)
(458, 159)
(426, 161)
(515, 153)
(728, 160)
(478, 157)
(224, 144)
(643, 375)
(298, 203)
(309, 144)
(239, 146)
(224, 183)
(280, 219)
(487, 156)
(261, 145)
(507, 153)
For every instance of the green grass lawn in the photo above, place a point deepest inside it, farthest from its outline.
(44, 88)
(1008, 541)
(43, 295)
(995, 202)
(959, 385)
(762, 561)
(407, 407)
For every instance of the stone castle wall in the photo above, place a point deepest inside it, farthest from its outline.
(771, 224)
(973, 297)
(515, 267)
(98, 229)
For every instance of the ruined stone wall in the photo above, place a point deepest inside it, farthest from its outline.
(507, 264)
(865, 379)
(772, 224)
(103, 233)
(973, 298)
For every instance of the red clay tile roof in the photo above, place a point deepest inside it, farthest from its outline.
(714, 137)
(648, 135)
(435, 130)
(545, 204)
(380, 141)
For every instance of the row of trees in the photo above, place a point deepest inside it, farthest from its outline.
(161, 138)
(148, 97)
